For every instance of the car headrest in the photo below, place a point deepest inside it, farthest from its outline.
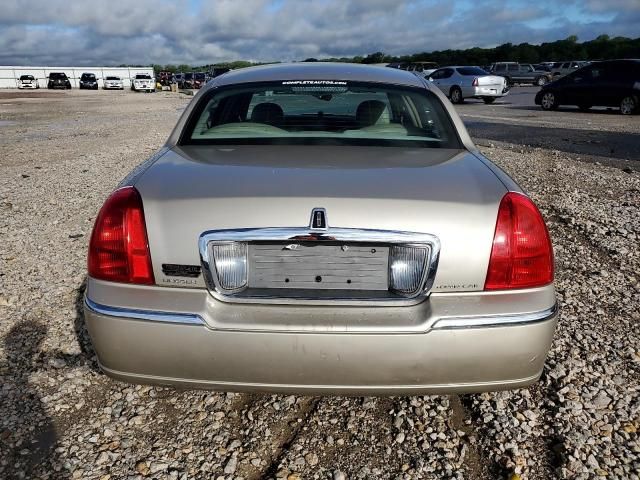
(369, 112)
(269, 113)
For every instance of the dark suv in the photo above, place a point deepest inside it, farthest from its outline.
(58, 80)
(88, 80)
(521, 73)
(612, 83)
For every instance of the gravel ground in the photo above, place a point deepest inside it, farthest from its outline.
(60, 155)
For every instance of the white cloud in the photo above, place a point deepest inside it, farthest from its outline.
(169, 31)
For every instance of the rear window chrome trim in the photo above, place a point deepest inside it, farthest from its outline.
(347, 235)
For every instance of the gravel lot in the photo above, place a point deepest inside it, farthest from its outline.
(61, 153)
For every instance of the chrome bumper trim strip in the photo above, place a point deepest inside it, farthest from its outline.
(490, 321)
(453, 323)
(148, 315)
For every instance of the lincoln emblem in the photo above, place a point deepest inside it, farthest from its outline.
(318, 219)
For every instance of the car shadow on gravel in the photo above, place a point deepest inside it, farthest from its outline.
(28, 432)
(621, 145)
(82, 335)
(571, 110)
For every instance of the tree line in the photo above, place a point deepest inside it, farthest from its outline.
(601, 48)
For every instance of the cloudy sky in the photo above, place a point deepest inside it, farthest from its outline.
(197, 32)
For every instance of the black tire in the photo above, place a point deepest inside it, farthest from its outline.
(584, 107)
(541, 81)
(549, 101)
(455, 94)
(628, 105)
(488, 100)
(509, 82)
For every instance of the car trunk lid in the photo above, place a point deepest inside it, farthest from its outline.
(446, 193)
(491, 80)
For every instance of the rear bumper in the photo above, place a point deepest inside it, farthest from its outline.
(454, 354)
(488, 91)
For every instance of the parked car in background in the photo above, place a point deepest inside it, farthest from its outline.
(611, 83)
(421, 68)
(560, 69)
(88, 81)
(543, 67)
(217, 71)
(521, 73)
(199, 79)
(113, 83)
(382, 255)
(28, 81)
(178, 78)
(459, 83)
(58, 80)
(143, 82)
(187, 81)
(164, 78)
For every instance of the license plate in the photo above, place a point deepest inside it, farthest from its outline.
(313, 267)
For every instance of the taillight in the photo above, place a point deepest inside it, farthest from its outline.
(475, 82)
(522, 255)
(119, 250)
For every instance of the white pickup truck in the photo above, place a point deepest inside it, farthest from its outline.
(143, 82)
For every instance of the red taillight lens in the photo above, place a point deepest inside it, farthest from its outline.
(475, 82)
(119, 250)
(521, 256)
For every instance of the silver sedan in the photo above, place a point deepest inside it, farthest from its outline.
(459, 83)
(321, 228)
(113, 83)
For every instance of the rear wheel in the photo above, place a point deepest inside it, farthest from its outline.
(488, 100)
(549, 101)
(456, 95)
(628, 105)
(541, 80)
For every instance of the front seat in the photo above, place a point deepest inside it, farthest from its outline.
(369, 112)
(269, 113)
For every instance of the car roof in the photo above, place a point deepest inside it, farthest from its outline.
(460, 66)
(632, 60)
(319, 71)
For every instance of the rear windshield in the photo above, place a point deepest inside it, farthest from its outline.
(113, 78)
(321, 112)
(471, 71)
(26, 77)
(143, 76)
(57, 75)
(90, 76)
